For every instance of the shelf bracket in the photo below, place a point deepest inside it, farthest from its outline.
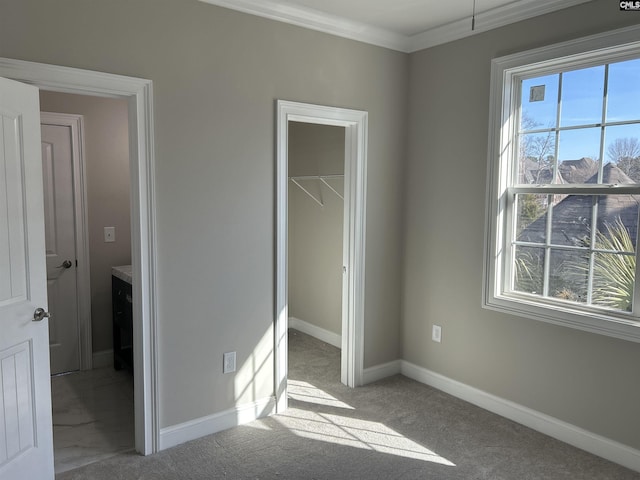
(323, 179)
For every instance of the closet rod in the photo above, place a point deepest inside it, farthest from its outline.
(315, 177)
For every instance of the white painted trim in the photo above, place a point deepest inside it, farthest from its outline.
(321, 334)
(139, 94)
(82, 270)
(356, 128)
(316, 20)
(565, 432)
(200, 427)
(353, 250)
(485, 21)
(103, 359)
(378, 372)
(342, 27)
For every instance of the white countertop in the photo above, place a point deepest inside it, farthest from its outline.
(123, 272)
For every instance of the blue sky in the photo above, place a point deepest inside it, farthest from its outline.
(582, 92)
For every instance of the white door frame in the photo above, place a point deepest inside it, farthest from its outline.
(139, 95)
(75, 123)
(355, 123)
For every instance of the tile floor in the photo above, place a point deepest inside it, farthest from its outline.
(92, 416)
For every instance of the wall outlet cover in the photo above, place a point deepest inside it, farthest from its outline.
(109, 234)
(229, 362)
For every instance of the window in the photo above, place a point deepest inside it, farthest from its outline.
(564, 183)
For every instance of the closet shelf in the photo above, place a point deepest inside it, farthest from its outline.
(321, 178)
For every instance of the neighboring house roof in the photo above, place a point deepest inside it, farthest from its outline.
(535, 173)
(578, 171)
(572, 215)
(569, 171)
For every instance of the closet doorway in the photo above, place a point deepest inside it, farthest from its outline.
(323, 187)
(315, 219)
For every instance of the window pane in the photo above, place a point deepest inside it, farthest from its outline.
(623, 149)
(537, 152)
(539, 102)
(613, 276)
(529, 270)
(531, 220)
(623, 95)
(613, 281)
(578, 144)
(617, 223)
(568, 275)
(571, 221)
(582, 95)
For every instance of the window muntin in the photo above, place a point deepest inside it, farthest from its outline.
(570, 246)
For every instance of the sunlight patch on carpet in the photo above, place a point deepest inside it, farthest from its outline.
(305, 392)
(348, 431)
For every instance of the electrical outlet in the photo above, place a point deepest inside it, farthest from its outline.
(229, 362)
(109, 234)
(436, 333)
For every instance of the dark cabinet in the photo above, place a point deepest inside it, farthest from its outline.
(122, 324)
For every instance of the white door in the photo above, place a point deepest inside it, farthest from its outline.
(26, 440)
(60, 241)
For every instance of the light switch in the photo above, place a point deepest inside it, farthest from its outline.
(109, 234)
(436, 333)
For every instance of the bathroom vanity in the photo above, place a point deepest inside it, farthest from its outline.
(122, 303)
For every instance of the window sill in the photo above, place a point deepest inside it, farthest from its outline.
(605, 323)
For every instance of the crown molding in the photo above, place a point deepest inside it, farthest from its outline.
(316, 20)
(485, 21)
(342, 27)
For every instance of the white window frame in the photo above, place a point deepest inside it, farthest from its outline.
(506, 72)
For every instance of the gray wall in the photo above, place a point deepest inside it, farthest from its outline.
(108, 195)
(587, 380)
(217, 74)
(315, 232)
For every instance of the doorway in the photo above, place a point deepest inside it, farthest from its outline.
(100, 189)
(315, 234)
(92, 408)
(354, 123)
(68, 293)
(138, 95)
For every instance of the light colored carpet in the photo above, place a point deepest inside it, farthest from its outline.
(394, 429)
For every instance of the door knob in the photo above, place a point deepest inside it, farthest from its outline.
(40, 314)
(65, 264)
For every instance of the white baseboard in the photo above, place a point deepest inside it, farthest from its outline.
(102, 359)
(199, 427)
(373, 374)
(565, 432)
(316, 332)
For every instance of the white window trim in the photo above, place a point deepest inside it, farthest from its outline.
(608, 47)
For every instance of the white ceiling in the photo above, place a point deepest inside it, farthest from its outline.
(404, 25)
